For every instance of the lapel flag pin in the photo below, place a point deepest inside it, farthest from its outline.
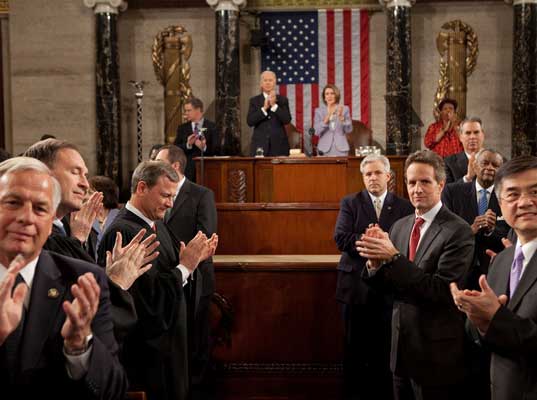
(53, 293)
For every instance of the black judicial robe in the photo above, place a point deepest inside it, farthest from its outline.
(122, 304)
(155, 351)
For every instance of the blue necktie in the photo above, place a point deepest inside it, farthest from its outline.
(483, 203)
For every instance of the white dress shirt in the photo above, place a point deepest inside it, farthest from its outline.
(528, 250)
(429, 217)
(382, 197)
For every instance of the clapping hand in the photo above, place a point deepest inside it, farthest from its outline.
(125, 264)
(81, 221)
(11, 304)
(80, 313)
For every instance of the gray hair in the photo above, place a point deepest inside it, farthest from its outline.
(268, 71)
(470, 119)
(489, 150)
(375, 157)
(150, 171)
(20, 164)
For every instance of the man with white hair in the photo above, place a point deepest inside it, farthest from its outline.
(366, 313)
(268, 114)
(56, 330)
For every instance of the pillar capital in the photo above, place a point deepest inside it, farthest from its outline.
(106, 6)
(229, 5)
(397, 3)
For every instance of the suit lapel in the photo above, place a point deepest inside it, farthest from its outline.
(526, 282)
(503, 264)
(430, 236)
(367, 206)
(473, 199)
(179, 200)
(387, 208)
(462, 160)
(493, 204)
(403, 237)
(45, 305)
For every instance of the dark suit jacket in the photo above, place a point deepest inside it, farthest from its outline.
(461, 198)
(42, 371)
(269, 130)
(356, 212)
(183, 132)
(427, 329)
(512, 334)
(122, 308)
(155, 353)
(194, 210)
(456, 167)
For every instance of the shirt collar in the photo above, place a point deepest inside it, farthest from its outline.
(28, 273)
(58, 222)
(199, 123)
(139, 214)
(478, 187)
(430, 215)
(528, 249)
(382, 197)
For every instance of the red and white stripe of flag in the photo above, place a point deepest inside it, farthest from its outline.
(343, 45)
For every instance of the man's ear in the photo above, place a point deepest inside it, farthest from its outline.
(141, 187)
(177, 166)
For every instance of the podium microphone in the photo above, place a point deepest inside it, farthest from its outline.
(311, 131)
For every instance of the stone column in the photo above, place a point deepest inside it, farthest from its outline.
(107, 97)
(524, 90)
(398, 76)
(227, 102)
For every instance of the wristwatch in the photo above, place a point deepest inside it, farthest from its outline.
(395, 257)
(88, 340)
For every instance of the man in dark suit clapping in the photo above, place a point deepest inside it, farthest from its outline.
(367, 313)
(196, 136)
(416, 263)
(268, 113)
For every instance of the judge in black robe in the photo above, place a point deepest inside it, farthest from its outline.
(155, 351)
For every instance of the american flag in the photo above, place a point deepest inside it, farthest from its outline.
(308, 50)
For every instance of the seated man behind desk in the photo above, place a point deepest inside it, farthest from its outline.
(268, 113)
(459, 167)
(442, 136)
(367, 313)
(56, 331)
(196, 136)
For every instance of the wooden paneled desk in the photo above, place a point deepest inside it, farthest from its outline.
(289, 179)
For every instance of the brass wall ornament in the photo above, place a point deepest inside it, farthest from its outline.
(458, 48)
(170, 53)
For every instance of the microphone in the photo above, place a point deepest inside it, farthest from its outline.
(201, 133)
(311, 131)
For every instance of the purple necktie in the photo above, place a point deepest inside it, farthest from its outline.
(516, 270)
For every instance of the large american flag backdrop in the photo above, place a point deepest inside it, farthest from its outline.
(308, 50)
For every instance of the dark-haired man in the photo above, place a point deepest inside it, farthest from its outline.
(504, 312)
(460, 166)
(416, 262)
(442, 136)
(193, 210)
(196, 136)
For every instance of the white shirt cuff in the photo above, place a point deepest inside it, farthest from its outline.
(274, 108)
(77, 366)
(184, 272)
(264, 111)
(464, 179)
(188, 146)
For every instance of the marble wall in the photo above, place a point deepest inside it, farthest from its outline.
(52, 69)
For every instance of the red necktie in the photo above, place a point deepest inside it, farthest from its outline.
(155, 227)
(415, 238)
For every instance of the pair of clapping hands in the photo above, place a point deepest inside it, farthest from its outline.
(376, 246)
(270, 101)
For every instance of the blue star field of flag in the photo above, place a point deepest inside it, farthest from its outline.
(292, 46)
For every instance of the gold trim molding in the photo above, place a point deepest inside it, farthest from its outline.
(309, 4)
(4, 6)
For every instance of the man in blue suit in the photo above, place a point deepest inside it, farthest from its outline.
(366, 313)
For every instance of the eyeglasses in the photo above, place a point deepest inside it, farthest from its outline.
(513, 197)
